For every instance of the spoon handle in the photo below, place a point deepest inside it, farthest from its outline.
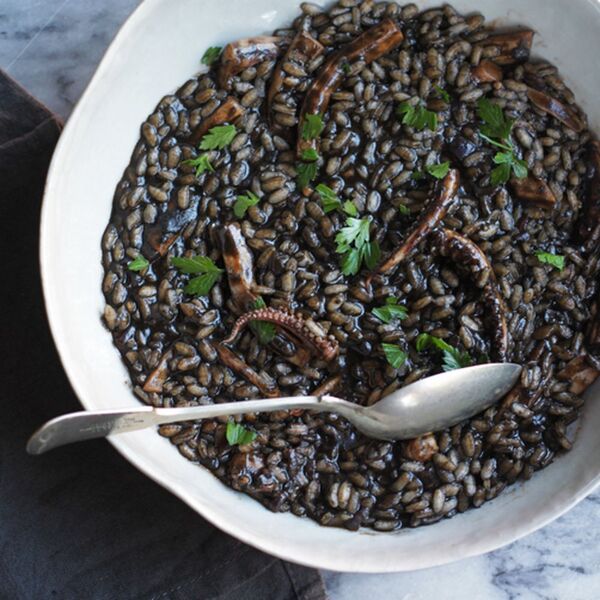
(86, 425)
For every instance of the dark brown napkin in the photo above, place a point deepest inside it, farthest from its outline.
(80, 522)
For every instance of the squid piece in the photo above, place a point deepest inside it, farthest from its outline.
(303, 49)
(156, 379)
(580, 373)
(430, 220)
(167, 229)
(422, 448)
(565, 114)
(533, 191)
(228, 112)
(487, 72)
(328, 386)
(229, 359)
(245, 53)
(515, 46)
(465, 252)
(239, 266)
(369, 46)
(591, 205)
(326, 347)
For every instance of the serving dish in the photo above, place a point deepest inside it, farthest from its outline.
(131, 77)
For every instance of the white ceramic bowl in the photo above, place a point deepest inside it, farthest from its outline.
(158, 49)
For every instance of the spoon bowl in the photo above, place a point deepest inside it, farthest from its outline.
(427, 405)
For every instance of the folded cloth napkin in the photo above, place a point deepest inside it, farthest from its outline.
(80, 522)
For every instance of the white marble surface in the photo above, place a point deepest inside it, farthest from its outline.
(52, 48)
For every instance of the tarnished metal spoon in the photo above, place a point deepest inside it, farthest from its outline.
(427, 405)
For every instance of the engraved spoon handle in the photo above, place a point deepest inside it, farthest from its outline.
(86, 425)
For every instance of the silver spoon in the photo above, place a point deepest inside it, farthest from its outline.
(427, 405)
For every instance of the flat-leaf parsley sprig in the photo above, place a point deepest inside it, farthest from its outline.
(207, 273)
(417, 116)
(217, 138)
(331, 202)
(496, 130)
(354, 242)
(453, 358)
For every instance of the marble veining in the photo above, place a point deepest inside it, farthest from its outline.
(52, 48)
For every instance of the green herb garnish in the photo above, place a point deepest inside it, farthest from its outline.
(329, 198)
(417, 116)
(496, 125)
(238, 435)
(438, 171)
(444, 95)
(556, 260)
(211, 55)
(202, 164)
(346, 68)
(331, 202)
(264, 331)
(243, 203)
(139, 263)
(452, 357)
(307, 171)
(403, 209)
(496, 130)
(208, 273)
(354, 242)
(218, 137)
(310, 154)
(312, 127)
(394, 355)
(390, 310)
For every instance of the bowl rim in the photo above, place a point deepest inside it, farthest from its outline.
(142, 463)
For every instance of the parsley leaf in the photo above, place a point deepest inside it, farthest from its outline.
(403, 209)
(438, 171)
(139, 263)
(350, 208)
(312, 127)
(346, 68)
(496, 131)
(508, 162)
(394, 355)
(500, 174)
(265, 331)
(496, 125)
(417, 116)
(238, 435)
(201, 285)
(211, 55)
(306, 173)
(208, 272)
(354, 242)
(444, 95)
(356, 231)
(331, 201)
(390, 310)
(218, 137)
(370, 254)
(556, 260)
(329, 198)
(452, 357)
(195, 264)
(243, 203)
(310, 154)
(202, 164)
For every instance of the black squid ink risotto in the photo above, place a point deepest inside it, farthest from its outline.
(370, 196)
